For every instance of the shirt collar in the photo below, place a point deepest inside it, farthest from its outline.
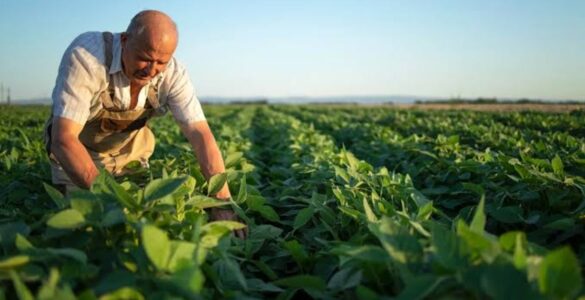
(116, 65)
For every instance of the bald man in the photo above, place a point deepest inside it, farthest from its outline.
(108, 87)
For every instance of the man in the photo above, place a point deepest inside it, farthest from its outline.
(107, 88)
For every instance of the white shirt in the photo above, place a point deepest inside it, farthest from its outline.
(82, 78)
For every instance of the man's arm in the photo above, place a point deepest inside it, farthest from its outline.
(201, 138)
(203, 142)
(71, 153)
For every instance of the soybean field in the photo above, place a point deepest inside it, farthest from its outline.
(340, 202)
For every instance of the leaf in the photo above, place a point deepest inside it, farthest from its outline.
(303, 216)
(22, 243)
(229, 225)
(420, 287)
(371, 217)
(214, 231)
(268, 213)
(190, 278)
(181, 254)
(255, 202)
(56, 196)
(478, 221)
(69, 252)
(447, 247)
(8, 232)
(203, 202)
(424, 212)
(557, 166)
(297, 251)
(344, 279)
(67, 219)
(21, 290)
(161, 188)
(560, 274)
(49, 288)
(113, 190)
(235, 271)
(243, 191)
(113, 217)
(156, 245)
(216, 183)
(232, 159)
(264, 232)
(400, 245)
(123, 293)
(115, 280)
(255, 284)
(505, 282)
(302, 282)
(13, 262)
(87, 204)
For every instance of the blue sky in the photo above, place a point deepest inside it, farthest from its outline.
(533, 49)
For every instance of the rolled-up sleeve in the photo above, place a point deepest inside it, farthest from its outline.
(77, 80)
(182, 99)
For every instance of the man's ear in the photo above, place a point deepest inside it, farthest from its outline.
(123, 38)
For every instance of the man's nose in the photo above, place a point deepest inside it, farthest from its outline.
(151, 69)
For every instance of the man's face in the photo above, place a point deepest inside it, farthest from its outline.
(143, 58)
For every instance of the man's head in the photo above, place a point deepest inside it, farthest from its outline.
(148, 45)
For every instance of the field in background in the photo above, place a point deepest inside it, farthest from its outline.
(341, 202)
(497, 107)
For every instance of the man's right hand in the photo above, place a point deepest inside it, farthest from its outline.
(71, 153)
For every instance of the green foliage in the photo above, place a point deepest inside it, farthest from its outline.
(338, 203)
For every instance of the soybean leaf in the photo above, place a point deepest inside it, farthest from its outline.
(243, 191)
(69, 252)
(560, 274)
(303, 217)
(123, 293)
(113, 190)
(255, 284)
(557, 166)
(161, 188)
(8, 232)
(371, 217)
(67, 219)
(13, 262)
(216, 183)
(181, 254)
(190, 278)
(56, 196)
(268, 213)
(478, 221)
(156, 245)
(22, 243)
(346, 278)
(203, 202)
(21, 290)
(302, 282)
(420, 287)
(233, 158)
(113, 217)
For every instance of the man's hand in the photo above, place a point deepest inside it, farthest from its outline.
(203, 142)
(218, 214)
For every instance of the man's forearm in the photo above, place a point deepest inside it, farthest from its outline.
(75, 160)
(207, 152)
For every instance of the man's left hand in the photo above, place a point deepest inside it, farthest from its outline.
(218, 214)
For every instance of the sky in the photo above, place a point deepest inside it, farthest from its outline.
(244, 49)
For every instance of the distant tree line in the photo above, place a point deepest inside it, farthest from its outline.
(492, 101)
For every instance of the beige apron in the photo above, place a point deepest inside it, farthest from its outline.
(113, 137)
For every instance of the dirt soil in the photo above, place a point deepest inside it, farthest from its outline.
(555, 108)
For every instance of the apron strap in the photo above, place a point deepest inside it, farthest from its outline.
(108, 37)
